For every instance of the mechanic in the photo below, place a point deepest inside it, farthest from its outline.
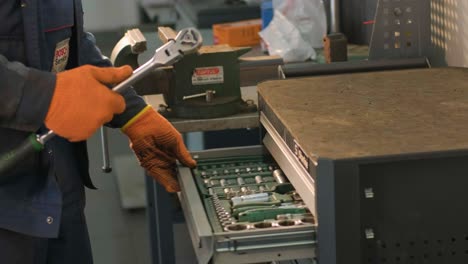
(54, 77)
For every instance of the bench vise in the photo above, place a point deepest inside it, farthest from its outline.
(201, 85)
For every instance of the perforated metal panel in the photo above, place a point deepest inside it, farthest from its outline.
(414, 211)
(451, 250)
(401, 30)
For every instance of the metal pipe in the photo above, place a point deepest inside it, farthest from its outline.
(314, 69)
(106, 167)
(335, 16)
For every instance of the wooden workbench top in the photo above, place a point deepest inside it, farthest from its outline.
(374, 114)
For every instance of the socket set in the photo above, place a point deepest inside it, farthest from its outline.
(296, 220)
(240, 208)
(242, 193)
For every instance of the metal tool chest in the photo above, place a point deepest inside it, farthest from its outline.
(382, 155)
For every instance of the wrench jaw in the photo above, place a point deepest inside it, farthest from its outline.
(187, 41)
(190, 40)
(167, 54)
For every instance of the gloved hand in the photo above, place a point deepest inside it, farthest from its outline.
(82, 102)
(157, 145)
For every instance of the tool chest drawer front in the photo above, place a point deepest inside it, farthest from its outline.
(240, 203)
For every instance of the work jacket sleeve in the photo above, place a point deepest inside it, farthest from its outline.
(25, 95)
(90, 54)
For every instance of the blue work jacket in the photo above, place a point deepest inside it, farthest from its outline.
(31, 195)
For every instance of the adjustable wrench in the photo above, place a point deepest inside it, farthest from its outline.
(187, 41)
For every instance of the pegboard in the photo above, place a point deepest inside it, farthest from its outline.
(401, 29)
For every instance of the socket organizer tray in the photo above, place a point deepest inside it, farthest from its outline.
(240, 208)
(248, 192)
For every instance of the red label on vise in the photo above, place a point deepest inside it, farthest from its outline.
(206, 71)
(208, 75)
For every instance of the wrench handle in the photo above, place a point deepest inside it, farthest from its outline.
(16, 156)
(138, 73)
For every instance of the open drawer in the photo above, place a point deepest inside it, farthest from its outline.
(239, 208)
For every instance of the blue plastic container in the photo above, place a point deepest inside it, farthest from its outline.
(267, 12)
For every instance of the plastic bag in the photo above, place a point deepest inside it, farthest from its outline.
(297, 27)
(308, 16)
(285, 40)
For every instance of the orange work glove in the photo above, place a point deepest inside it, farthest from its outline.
(157, 145)
(82, 102)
